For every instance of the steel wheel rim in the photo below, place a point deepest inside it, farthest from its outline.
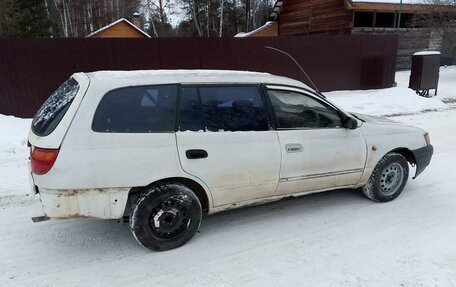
(391, 179)
(169, 218)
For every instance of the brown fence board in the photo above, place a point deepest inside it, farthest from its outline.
(30, 69)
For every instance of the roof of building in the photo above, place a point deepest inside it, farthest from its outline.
(413, 6)
(390, 5)
(265, 26)
(392, 1)
(115, 23)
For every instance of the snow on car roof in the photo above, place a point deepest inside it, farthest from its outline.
(196, 76)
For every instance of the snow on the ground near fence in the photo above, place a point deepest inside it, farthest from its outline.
(397, 100)
(13, 155)
(446, 87)
(384, 102)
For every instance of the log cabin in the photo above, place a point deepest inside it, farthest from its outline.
(301, 17)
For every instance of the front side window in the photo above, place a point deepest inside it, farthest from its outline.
(143, 109)
(54, 108)
(295, 110)
(234, 108)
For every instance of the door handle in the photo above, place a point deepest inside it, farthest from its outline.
(196, 153)
(291, 148)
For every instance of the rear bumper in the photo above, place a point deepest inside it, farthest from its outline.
(106, 203)
(423, 158)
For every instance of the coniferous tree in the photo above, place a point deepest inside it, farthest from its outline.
(27, 18)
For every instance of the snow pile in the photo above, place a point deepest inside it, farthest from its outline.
(14, 136)
(392, 101)
(400, 99)
(13, 155)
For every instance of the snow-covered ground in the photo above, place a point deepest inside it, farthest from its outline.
(336, 238)
(400, 99)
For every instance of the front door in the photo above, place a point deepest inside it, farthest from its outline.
(317, 151)
(225, 140)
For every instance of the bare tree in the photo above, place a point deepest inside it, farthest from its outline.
(156, 14)
(224, 17)
(221, 18)
(439, 16)
(81, 17)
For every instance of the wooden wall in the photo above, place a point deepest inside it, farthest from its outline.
(299, 17)
(119, 30)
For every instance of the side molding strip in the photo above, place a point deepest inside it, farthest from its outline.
(317, 175)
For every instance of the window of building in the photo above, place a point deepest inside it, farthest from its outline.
(407, 20)
(384, 20)
(363, 19)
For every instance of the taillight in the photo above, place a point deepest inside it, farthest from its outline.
(43, 159)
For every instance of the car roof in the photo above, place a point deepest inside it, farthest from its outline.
(194, 77)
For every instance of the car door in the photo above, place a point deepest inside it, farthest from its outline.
(317, 151)
(226, 140)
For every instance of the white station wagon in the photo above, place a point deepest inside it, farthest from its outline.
(164, 147)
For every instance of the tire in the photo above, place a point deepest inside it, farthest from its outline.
(388, 178)
(165, 216)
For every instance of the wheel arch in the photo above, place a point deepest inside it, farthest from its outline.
(196, 187)
(405, 152)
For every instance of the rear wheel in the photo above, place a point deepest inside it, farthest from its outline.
(165, 216)
(388, 178)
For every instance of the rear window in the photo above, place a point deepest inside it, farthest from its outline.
(144, 109)
(54, 108)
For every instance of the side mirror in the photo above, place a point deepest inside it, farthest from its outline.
(350, 123)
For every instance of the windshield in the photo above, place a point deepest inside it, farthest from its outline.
(54, 108)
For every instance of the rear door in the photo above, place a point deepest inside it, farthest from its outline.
(317, 151)
(225, 139)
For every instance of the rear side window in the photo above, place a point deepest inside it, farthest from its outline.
(54, 108)
(144, 109)
(233, 109)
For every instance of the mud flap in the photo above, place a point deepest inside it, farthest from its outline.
(423, 158)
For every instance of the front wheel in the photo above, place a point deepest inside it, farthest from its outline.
(388, 178)
(165, 216)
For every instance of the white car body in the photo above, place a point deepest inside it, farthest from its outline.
(95, 173)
